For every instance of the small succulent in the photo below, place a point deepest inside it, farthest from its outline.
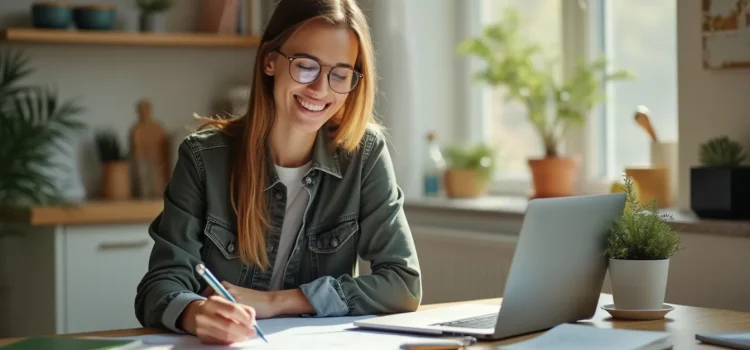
(109, 147)
(722, 152)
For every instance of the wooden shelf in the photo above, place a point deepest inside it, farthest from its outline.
(97, 37)
(92, 212)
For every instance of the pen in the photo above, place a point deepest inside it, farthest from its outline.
(214, 283)
(440, 344)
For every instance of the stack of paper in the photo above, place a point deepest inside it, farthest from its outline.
(581, 337)
(301, 333)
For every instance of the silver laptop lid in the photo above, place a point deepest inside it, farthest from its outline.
(559, 264)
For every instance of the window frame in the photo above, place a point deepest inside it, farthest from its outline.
(580, 19)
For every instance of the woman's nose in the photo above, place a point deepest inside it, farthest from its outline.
(319, 86)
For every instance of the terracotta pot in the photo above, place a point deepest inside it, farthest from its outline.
(465, 183)
(554, 177)
(116, 181)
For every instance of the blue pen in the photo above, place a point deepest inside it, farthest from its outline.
(214, 283)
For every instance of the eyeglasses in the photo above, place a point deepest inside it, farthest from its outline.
(305, 70)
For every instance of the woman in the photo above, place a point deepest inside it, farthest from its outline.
(280, 203)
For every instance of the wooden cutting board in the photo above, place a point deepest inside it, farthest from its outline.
(149, 145)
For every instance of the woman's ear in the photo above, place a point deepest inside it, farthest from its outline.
(269, 64)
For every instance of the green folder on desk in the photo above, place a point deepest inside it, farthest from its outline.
(40, 343)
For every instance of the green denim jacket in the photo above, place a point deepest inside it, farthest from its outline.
(355, 209)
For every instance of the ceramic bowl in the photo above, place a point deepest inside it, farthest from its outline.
(94, 17)
(52, 15)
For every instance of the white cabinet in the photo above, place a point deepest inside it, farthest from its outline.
(70, 279)
(103, 265)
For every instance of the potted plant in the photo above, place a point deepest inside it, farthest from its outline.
(153, 16)
(639, 247)
(719, 186)
(553, 107)
(115, 184)
(36, 127)
(469, 170)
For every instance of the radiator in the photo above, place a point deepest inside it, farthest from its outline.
(461, 265)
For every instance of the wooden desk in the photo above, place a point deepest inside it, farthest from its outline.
(682, 323)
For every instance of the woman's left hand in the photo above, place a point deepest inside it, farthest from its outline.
(268, 304)
(262, 302)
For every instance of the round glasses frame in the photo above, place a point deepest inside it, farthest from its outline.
(291, 59)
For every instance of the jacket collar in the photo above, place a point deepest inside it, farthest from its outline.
(324, 158)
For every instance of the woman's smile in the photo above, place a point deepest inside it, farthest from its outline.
(311, 106)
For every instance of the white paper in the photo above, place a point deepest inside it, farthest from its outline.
(582, 337)
(301, 333)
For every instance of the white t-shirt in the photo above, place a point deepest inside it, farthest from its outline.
(296, 202)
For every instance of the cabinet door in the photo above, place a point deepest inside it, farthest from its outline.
(103, 265)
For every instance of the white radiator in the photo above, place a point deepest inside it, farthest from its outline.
(462, 265)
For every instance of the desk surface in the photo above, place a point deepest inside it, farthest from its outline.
(683, 322)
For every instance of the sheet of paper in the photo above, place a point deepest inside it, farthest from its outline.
(582, 337)
(306, 333)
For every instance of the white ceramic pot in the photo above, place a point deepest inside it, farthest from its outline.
(638, 284)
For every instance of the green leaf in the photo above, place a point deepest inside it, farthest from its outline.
(34, 125)
(642, 232)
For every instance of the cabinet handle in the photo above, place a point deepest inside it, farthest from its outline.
(123, 245)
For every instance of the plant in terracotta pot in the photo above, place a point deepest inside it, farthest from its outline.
(554, 106)
(469, 170)
(153, 16)
(639, 247)
(115, 183)
(719, 186)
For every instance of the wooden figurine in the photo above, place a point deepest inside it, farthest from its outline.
(150, 152)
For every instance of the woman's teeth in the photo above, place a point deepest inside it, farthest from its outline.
(309, 106)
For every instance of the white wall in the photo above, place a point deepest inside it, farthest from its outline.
(711, 103)
(108, 81)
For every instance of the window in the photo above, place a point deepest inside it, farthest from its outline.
(511, 132)
(639, 35)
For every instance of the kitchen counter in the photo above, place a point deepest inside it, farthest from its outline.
(91, 212)
(496, 207)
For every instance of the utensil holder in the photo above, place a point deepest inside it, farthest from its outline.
(665, 155)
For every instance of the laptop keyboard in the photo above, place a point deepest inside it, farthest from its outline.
(483, 321)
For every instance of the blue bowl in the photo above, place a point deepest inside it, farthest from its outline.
(51, 15)
(94, 17)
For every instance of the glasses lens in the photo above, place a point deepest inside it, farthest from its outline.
(343, 79)
(304, 70)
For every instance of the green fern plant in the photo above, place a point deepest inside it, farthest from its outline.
(34, 126)
(108, 147)
(480, 157)
(722, 152)
(641, 233)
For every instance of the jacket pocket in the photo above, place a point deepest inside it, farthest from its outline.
(324, 241)
(223, 239)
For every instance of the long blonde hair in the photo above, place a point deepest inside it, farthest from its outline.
(249, 175)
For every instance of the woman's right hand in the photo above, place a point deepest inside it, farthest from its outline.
(219, 321)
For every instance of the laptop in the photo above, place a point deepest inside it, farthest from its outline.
(556, 275)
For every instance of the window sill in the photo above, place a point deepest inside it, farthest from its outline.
(486, 212)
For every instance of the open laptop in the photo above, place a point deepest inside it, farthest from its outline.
(556, 275)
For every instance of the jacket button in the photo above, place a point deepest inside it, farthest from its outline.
(269, 247)
(230, 248)
(334, 242)
(308, 180)
(278, 196)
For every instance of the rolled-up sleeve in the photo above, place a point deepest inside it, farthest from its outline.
(170, 283)
(385, 241)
